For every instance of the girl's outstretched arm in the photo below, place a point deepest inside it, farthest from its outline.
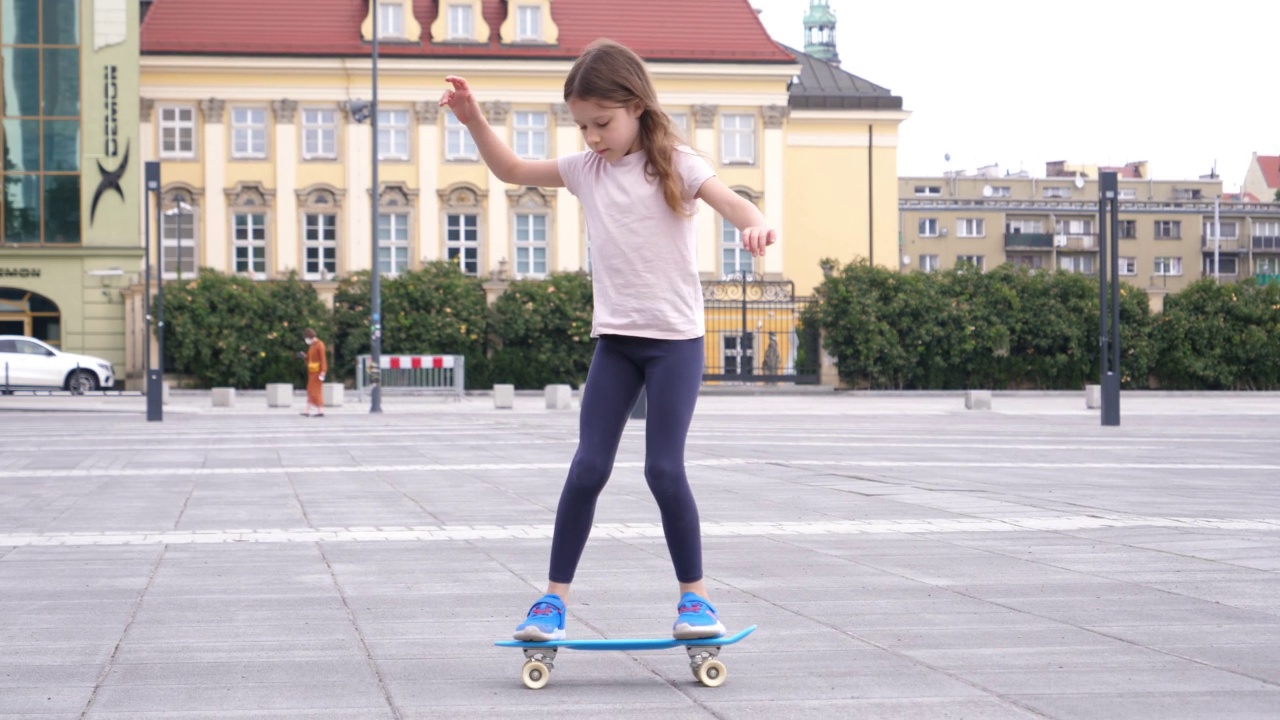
(501, 160)
(756, 234)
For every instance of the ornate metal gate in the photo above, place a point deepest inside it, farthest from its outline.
(753, 332)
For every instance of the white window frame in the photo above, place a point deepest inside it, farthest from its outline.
(737, 139)
(1079, 264)
(393, 134)
(734, 258)
(928, 227)
(169, 239)
(1168, 266)
(680, 121)
(322, 238)
(1029, 262)
(175, 122)
(1057, 191)
(1128, 266)
(391, 20)
(528, 226)
(1025, 226)
(248, 133)
(1001, 191)
(249, 247)
(460, 223)
(529, 135)
(930, 263)
(319, 134)
(1172, 226)
(928, 190)
(528, 23)
(971, 227)
(1230, 229)
(1223, 259)
(1266, 266)
(395, 243)
(1127, 194)
(461, 21)
(978, 261)
(458, 143)
(1074, 227)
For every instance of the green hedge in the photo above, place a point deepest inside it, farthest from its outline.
(230, 331)
(1220, 337)
(958, 329)
(542, 332)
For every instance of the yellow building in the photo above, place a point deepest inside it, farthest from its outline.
(69, 233)
(1167, 236)
(253, 110)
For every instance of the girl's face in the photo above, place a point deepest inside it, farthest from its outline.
(613, 131)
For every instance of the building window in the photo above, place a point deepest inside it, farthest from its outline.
(1074, 226)
(1001, 191)
(928, 190)
(1186, 194)
(531, 135)
(459, 145)
(462, 241)
(1027, 262)
(528, 23)
(178, 236)
(737, 139)
(1015, 227)
(680, 121)
(393, 134)
(1168, 229)
(1227, 265)
(319, 134)
(1127, 194)
(250, 244)
(248, 133)
(461, 25)
(977, 262)
(393, 243)
(971, 227)
(1057, 192)
(1266, 235)
(928, 227)
(177, 132)
(739, 353)
(320, 246)
(40, 61)
(391, 20)
(929, 263)
(531, 245)
(734, 259)
(1266, 266)
(1168, 266)
(1229, 230)
(1082, 264)
(1128, 229)
(1128, 266)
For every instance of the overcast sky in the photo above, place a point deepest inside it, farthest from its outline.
(1020, 82)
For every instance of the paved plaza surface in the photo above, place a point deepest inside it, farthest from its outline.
(903, 557)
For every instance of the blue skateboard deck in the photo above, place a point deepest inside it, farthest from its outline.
(702, 654)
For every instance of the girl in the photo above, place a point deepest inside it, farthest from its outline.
(638, 186)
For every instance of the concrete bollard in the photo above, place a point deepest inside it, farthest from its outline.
(1093, 397)
(331, 394)
(279, 395)
(977, 399)
(224, 397)
(504, 397)
(559, 397)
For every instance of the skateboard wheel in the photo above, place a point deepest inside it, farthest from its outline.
(711, 673)
(536, 675)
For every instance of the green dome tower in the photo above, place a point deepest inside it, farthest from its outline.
(820, 32)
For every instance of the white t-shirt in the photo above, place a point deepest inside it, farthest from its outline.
(644, 263)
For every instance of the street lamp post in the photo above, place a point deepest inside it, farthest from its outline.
(375, 284)
(154, 378)
(1109, 303)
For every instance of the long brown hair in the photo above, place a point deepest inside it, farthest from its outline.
(610, 73)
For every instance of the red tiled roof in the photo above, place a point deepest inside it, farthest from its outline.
(1129, 171)
(1243, 197)
(698, 30)
(1270, 166)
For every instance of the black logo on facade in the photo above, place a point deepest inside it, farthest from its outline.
(20, 272)
(111, 141)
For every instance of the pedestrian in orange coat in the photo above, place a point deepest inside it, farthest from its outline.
(317, 366)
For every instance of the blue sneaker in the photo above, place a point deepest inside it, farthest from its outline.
(697, 619)
(545, 621)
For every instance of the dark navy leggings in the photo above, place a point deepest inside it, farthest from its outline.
(671, 372)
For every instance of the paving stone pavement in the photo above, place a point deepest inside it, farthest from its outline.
(904, 558)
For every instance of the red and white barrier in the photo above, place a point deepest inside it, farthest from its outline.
(416, 362)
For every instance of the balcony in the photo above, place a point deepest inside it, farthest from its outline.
(1225, 245)
(1076, 243)
(1038, 241)
(1266, 243)
(1267, 279)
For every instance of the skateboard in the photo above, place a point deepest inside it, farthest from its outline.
(540, 656)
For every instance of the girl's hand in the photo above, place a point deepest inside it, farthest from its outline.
(756, 239)
(460, 100)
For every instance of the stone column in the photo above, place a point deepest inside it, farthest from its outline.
(704, 117)
(213, 249)
(429, 155)
(286, 254)
(147, 150)
(356, 243)
(774, 171)
(498, 224)
(569, 249)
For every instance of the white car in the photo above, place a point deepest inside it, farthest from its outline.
(29, 364)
